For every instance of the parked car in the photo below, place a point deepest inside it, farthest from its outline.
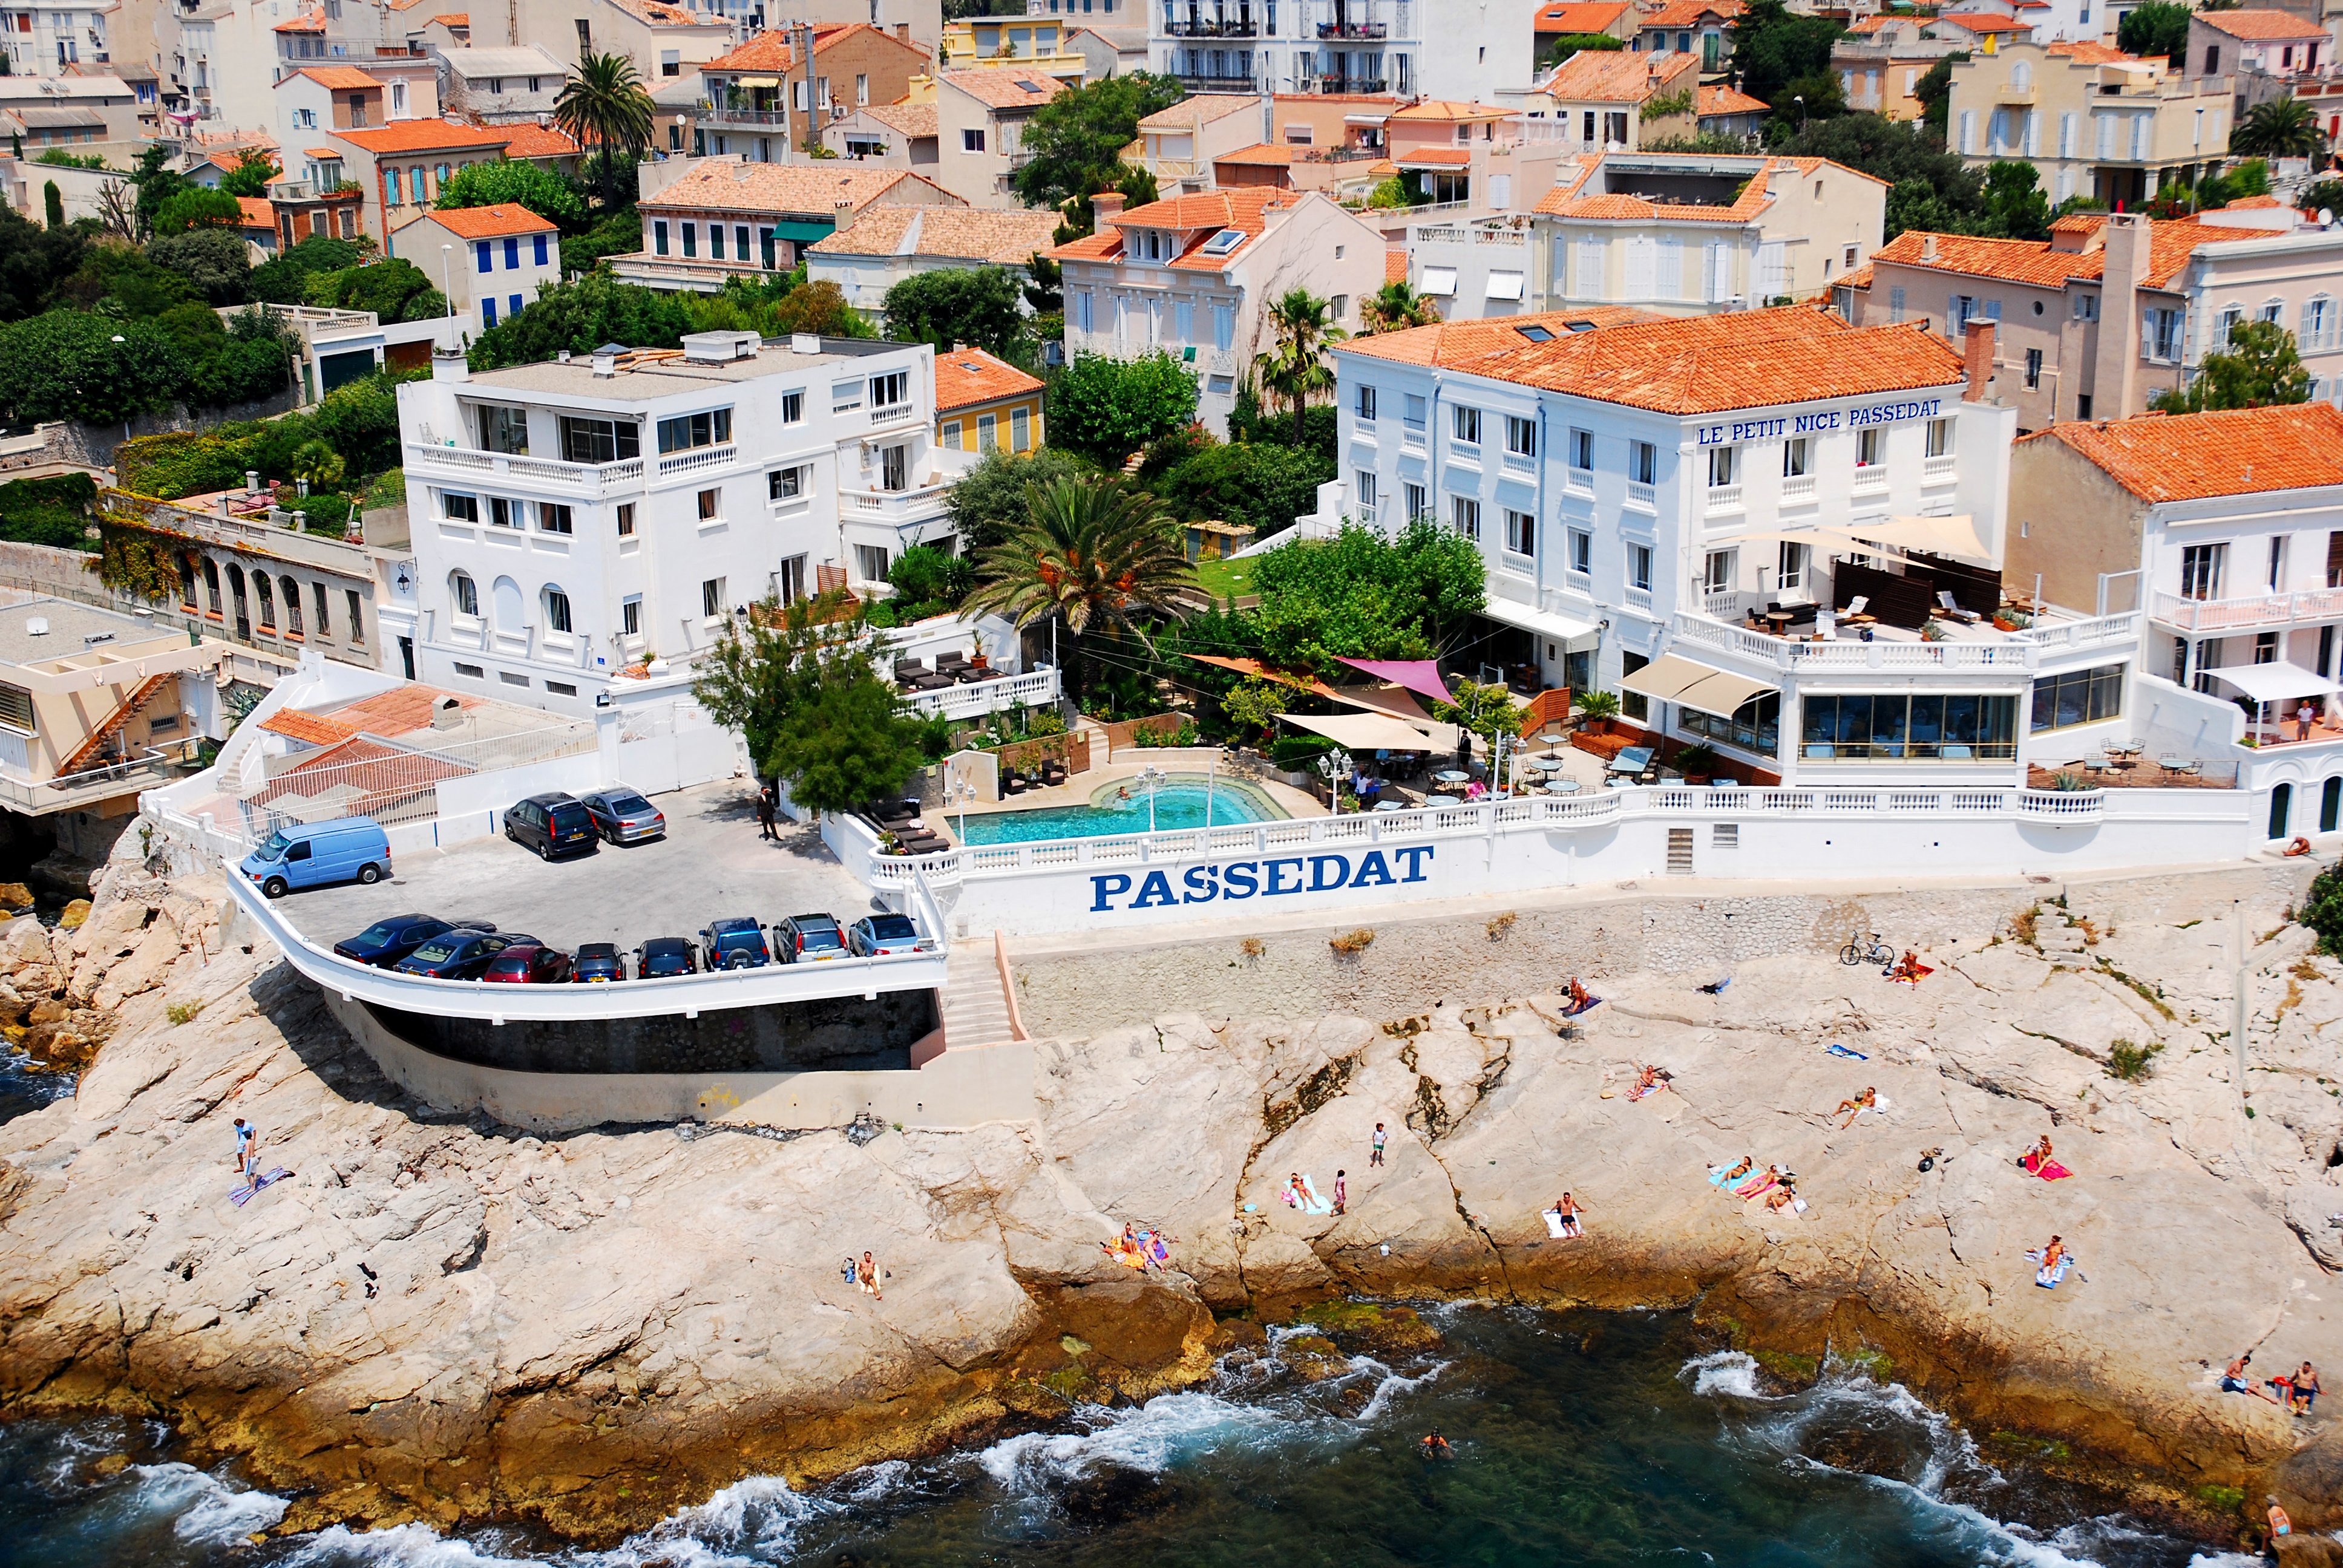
(810, 939)
(598, 963)
(664, 956)
(385, 942)
(875, 936)
(459, 954)
(310, 854)
(552, 825)
(622, 815)
(534, 964)
(735, 943)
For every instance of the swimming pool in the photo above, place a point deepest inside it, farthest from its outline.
(1181, 803)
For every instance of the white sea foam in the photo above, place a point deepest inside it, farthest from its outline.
(1151, 1437)
(400, 1546)
(875, 1483)
(1393, 1385)
(203, 1509)
(1732, 1373)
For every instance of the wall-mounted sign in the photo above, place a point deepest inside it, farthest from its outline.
(1234, 880)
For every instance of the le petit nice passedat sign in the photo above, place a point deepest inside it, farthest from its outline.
(1320, 873)
(1815, 424)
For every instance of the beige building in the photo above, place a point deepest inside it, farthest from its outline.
(723, 216)
(1880, 61)
(1179, 145)
(665, 41)
(980, 118)
(1034, 42)
(1614, 101)
(2112, 128)
(1194, 277)
(1692, 234)
(887, 244)
(2109, 311)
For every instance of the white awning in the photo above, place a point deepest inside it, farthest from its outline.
(2276, 682)
(1440, 281)
(1672, 678)
(1954, 535)
(1363, 731)
(1391, 701)
(1504, 285)
(1544, 622)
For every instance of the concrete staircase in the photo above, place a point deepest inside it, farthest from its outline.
(976, 1006)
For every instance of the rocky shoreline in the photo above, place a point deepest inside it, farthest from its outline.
(443, 1319)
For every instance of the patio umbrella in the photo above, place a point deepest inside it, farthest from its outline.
(1420, 675)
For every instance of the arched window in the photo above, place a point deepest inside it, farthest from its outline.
(557, 609)
(267, 592)
(507, 594)
(465, 593)
(2281, 809)
(211, 582)
(291, 606)
(2021, 75)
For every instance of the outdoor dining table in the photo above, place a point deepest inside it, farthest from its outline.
(1453, 776)
(1392, 806)
(1547, 764)
(1562, 786)
(1442, 801)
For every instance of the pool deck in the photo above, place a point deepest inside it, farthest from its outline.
(1077, 789)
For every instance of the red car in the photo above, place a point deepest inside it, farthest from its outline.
(529, 965)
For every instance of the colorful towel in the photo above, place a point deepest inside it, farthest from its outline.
(241, 1195)
(1913, 978)
(1641, 1090)
(2048, 1279)
(1591, 1003)
(1311, 1202)
(2048, 1170)
(1757, 1185)
(1842, 1051)
(1718, 1175)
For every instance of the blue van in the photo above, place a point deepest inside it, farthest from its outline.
(309, 854)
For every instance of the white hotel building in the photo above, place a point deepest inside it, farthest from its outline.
(576, 519)
(1648, 493)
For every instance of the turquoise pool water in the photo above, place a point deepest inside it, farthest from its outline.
(1182, 803)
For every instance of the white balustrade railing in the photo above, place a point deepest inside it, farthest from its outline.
(1030, 689)
(1724, 497)
(2197, 615)
(1935, 471)
(464, 463)
(698, 459)
(2019, 650)
(1640, 494)
(1797, 486)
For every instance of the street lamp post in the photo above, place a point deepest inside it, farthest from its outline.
(1152, 776)
(126, 423)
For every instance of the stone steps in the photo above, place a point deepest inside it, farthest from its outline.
(975, 1007)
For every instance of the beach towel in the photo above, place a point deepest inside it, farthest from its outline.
(1641, 1090)
(1918, 971)
(1842, 1051)
(240, 1195)
(1575, 1008)
(1719, 1174)
(1311, 1202)
(2048, 1170)
(2048, 1279)
(1557, 1228)
(1757, 1185)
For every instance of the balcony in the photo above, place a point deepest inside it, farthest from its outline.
(465, 466)
(1725, 498)
(1213, 27)
(894, 412)
(696, 461)
(894, 509)
(2198, 616)
(719, 114)
(1798, 488)
(1871, 479)
(1365, 86)
(1366, 31)
(1939, 470)
(1520, 463)
(1644, 495)
(1965, 649)
(1197, 82)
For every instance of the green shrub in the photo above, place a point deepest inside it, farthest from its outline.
(2322, 909)
(1297, 753)
(2132, 1063)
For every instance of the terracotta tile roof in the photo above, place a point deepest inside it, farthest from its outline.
(1263, 154)
(1462, 344)
(339, 76)
(527, 140)
(814, 189)
(397, 711)
(904, 119)
(1449, 111)
(1713, 364)
(313, 728)
(660, 15)
(257, 213)
(1719, 99)
(1859, 279)
(1755, 195)
(454, 18)
(1202, 110)
(1569, 16)
(307, 22)
(2262, 26)
(967, 377)
(1983, 22)
(2089, 52)
(775, 50)
(1615, 76)
(1242, 208)
(1689, 12)
(998, 236)
(1005, 87)
(426, 135)
(1440, 158)
(2194, 457)
(2171, 242)
(330, 154)
(1104, 246)
(1394, 265)
(491, 222)
(1874, 24)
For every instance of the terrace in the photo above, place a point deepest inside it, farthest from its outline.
(1806, 636)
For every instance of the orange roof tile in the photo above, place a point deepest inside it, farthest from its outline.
(1204, 108)
(2171, 242)
(527, 140)
(968, 377)
(1449, 111)
(1719, 99)
(1462, 344)
(2262, 26)
(337, 76)
(775, 50)
(1713, 364)
(2195, 457)
(1395, 266)
(997, 236)
(1983, 22)
(426, 135)
(1578, 16)
(313, 728)
(454, 18)
(2090, 53)
(1263, 154)
(491, 222)
(331, 154)
(308, 22)
(814, 189)
(1441, 157)
(257, 213)
(397, 711)
(1859, 279)
(1005, 87)
(1616, 76)
(1755, 197)
(1104, 246)
(1689, 12)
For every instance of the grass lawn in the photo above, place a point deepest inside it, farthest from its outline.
(1223, 578)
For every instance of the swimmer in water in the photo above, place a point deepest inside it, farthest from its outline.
(1435, 1445)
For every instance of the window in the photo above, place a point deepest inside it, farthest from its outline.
(1521, 437)
(488, 312)
(1720, 466)
(2033, 369)
(1794, 457)
(317, 597)
(711, 597)
(1467, 426)
(690, 431)
(1718, 570)
(891, 390)
(1581, 551)
(2277, 561)
(2160, 341)
(1895, 305)
(390, 188)
(1020, 429)
(1755, 725)
(861, 88)
(1643, 463)
(1940, 437)
(483, 256)
(596, 441)
(1956, 728)
(553, 518)
(785, 484)
(670, 61)
(1414, 498)
(716, 242)
(1790, 570)
(466, 593)
(1224, 324)
(949, 438)
(2200, 570)
(474, 671)
(691, 239)
(512, 253)
(626, 519)
(459, 508)
(972, 139)
(503, 514)
(1465, 513)
(712, 506)
(872, 562)
(556, 610)
(630, 615)
(1633, 704)
(790, 581)
(1866, 447)
(659, 237)
(892, 472)
(1639, 567)
(1582, 452)
(1412, 415)
(1365, 411)
(1520, 533)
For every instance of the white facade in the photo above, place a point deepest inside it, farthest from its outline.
(573, 519)
(1468, 51)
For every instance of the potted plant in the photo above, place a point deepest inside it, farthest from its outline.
(1698, 762)
(1596, 710)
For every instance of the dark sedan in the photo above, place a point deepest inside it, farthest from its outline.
(738, 943)
(598, 963)
(662, 957)
(875, 936)
(386, 942)
(530, 965)
(459, 954)
(623, 817)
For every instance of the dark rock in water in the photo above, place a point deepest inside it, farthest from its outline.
(1372, 1326)
(1113, 1494)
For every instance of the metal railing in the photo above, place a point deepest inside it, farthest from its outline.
(2199, 615)
(155, 765)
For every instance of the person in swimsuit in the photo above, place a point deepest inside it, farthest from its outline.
(1567, 1207)
(2279, 1525)
(2236, 1379)
(1781, 1198)
(1579, 999)
(1748, 1163)
(2305, 1389)
(248, 1138)
(1435, 1445)
(867, 1276)
(1854, 1108)
(2052, 1253)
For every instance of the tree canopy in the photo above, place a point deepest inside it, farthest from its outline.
(394, 289)
(521, 183)
(196, 207)
(976, 305)
(216, 261)
(989, 501)
(283, 279)
(1772, 48)
(1361, 594)
(1106, 408)
(255, 167)
(66, 365)
(2259, 367)
(1259, 486)
(2156, 27)
(1073, 144)
(603, 106)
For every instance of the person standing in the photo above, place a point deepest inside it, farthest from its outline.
(1375, 1155)
(767, 808)
(2279, 1525)
(1342, 1196)
(248, 1138)
(2304, 718)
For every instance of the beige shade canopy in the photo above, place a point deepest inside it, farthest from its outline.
(1672, 678)
(1366, 731)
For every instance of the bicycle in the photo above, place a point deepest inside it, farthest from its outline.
(1855, 953)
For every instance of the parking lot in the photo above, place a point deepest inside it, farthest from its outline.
(710, 864)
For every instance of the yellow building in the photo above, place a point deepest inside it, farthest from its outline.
(984, 404)
(1030, 42)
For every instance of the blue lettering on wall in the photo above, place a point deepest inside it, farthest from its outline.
(1113, 890)
(1239, 879)
(1814, 424)
(1201, 887)
(1156, 890)
(1374, 871)
(1276, 878)
(1328, 872)
(1114, 884)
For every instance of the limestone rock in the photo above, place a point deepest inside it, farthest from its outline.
(72, 915)
(15, 896)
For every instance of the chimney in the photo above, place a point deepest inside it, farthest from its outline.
(1105, 208)
(449, 364)
(841, 214)
(903, 32)
(1929, 247)
(1976, 356)
(2116, 392)
(605, 360)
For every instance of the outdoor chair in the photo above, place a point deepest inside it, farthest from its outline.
(1953, 610)
(2190, 765)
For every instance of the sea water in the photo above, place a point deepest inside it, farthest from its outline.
(1576, 1438)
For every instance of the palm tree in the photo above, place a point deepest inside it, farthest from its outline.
(1395, 308)
(1296, 368)
(2279, 128)
(603, 102)
(1094, 553)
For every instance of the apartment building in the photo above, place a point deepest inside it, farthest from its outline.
(765, 102)
(885, 245)
(1030, 42)
(490, 261)
(1767, 530)
(980, 114)
(666, 42)
(61, 110)
(1179, 145)
(1614, 101)
(1463, 50)
(1880, 61)
(1194, 275)
(1686, 234)
(924, 18)
(660, 493)
(985, 405)
(401, 166)
(2227, 530)
(2109, 311)
(2112, 129)
(321, 98)
(1582, 19)
(1695, 28)
(500, 86)
(1729, 112)
(51, 38)
(892, 136)
(2226, 44)
(724, 216)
